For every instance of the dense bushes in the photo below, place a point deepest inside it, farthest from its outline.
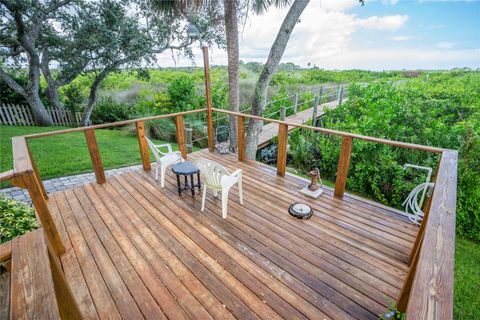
(108, 110)
(15, 219)
(439, 110)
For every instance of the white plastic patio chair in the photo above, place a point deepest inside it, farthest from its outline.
(164, 159)
(217, 178)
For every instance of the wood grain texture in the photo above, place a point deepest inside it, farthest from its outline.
(132, 239)
(208, 93)
(181, 136)
(32, 292)
(43, 213)
(241, 138)
(282, 149)
(431, 296)
(5, 295)
(343, 164)
(143, 145)
(95, 156)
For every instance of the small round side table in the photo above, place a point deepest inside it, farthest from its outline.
(187, 169)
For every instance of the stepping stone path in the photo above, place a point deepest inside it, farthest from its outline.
(62, 183)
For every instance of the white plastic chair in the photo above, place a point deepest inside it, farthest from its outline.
(217, 178)
(164, 159)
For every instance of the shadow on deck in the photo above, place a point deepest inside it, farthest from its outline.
(135, 250)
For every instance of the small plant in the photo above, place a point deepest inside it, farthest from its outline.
(15, 219)
(392, 313)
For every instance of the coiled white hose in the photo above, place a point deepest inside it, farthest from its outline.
(412, 208)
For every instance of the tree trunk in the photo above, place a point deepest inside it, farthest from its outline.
(52, 95)
(261, 89)
(231, 30)
(92, 98)
(40, 113)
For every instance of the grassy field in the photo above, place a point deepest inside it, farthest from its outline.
(67, 154)
(467, 280)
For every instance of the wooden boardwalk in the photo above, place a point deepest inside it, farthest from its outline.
(135, 250)
(270, 130)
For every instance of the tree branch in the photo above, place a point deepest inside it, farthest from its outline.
(14, 85)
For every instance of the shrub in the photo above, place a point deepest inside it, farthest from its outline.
(436, 112)
(15, 219)
(108, 110)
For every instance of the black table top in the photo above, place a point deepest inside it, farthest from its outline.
(185, 168)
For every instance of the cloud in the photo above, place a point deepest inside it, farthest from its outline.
(392, 22)
(324, 37)
(445, 45)
(400, 38)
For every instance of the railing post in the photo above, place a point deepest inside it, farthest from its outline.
(143, 145)
(241, 137)
(29, 181)
(181, 136)
(340, 99)
(35, 171)
(188, 137)
(320, 96)
(282, 149)
(283, 113)
(295, 103)
(95, 156)
(208, 93)
(338, 92)
(343, 164)
(314, 112)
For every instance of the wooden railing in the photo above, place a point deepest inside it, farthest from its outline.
(431, 260)
(427, 291)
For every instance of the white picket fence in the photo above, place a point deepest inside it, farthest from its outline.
(21, 115)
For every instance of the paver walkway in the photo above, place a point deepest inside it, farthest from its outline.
(270, 130)
(62, 183)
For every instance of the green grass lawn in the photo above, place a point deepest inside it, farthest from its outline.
(467, 280)
(67, 154)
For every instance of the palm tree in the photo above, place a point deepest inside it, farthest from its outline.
(231, 32)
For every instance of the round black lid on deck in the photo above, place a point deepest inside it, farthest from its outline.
(300, 210)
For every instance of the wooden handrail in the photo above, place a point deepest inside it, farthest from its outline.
(7, 175)
(111, 124)
(339, 133)
(431, 296)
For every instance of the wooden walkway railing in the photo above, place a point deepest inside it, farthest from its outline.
(428, 288)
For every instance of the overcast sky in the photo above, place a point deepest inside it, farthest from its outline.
(382, 35)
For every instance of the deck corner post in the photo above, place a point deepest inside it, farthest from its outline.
(43, 212)
(95, 156)
(343, 164)
(241, 138)
(282, 149)
(181, 135)
(142, 144)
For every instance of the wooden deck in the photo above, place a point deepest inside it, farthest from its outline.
(270, 130)
(135, 250)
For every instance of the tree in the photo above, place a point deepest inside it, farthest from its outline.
(231, 32)
(21, 29)
(270, 67)
(121, 34)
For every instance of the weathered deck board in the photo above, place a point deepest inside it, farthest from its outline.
(133, 244)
